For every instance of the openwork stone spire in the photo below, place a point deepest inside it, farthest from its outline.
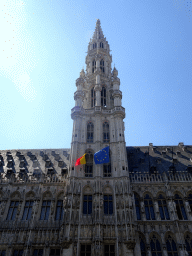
(98, 33)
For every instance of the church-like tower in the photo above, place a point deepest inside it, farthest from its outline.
(98, 114)
(105, 197)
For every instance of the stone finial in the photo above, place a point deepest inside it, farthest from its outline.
(82, 73)
(115, 72)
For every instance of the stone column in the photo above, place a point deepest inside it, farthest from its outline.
(164, 250)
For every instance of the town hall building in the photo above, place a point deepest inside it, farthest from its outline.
(138, 203)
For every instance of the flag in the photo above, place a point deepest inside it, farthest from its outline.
(81, 160)
(102, 156)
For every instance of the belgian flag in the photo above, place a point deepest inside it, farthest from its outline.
(81, 160)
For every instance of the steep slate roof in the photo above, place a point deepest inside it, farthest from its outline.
(34, 161)
(156, 160)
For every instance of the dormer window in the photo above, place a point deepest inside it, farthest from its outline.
(102, 66)
(93, 66)
(101, 45)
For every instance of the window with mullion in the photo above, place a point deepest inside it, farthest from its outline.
(59, 210)
(27, 210)
(155, 247)
(188, 242)
(45, 210)
(17, 252)
(90, 130)
(180, 208)
(108, 204)
(38, 252)
(149, 211)
(93, 66)
(89, 164)
(12, 210)
(103, 97)
(142, 247)
(171, 247)
(163, 208)
(85, 250)
(102, 68)
(87, 204)
(107, 170)
(2, 252)
(109, 250)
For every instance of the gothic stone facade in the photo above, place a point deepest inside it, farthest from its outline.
(138, 204)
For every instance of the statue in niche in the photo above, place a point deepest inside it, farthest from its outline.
(142, 207)
(52, 207)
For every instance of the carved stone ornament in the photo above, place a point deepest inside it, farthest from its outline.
(130, 245)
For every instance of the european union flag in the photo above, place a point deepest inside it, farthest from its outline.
(102, 156)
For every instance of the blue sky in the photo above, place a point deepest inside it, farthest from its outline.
(43, 47)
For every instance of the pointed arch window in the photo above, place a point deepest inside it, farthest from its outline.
(142, 247)
(101, 45)
(137, 207)
(190, 201)
(102, 66)
(155, 246)
(103, 97)
(93, 98)
(163, 208)
(105, 132)
(90, 132)
(188, 242)
(93, 66)
(94, 45)
(149, 210)
(180, 208)
(89, 164)
(171, 246)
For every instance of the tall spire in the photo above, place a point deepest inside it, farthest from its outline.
(98, 33)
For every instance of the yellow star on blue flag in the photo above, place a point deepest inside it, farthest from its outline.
(102, 156)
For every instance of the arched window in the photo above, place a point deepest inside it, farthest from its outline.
(180, 208)
(155, 246)
(142, 247)
(89, 164)
(90, 130)
(93, 66)
(105, 132)
(103, 97)
(137, 207)
(94, 45)
(102, 66)
(188, 242)
(92, 97)
(163, 208)
(149, 211)
(171, 246)
(101, 45)
(190, 201)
